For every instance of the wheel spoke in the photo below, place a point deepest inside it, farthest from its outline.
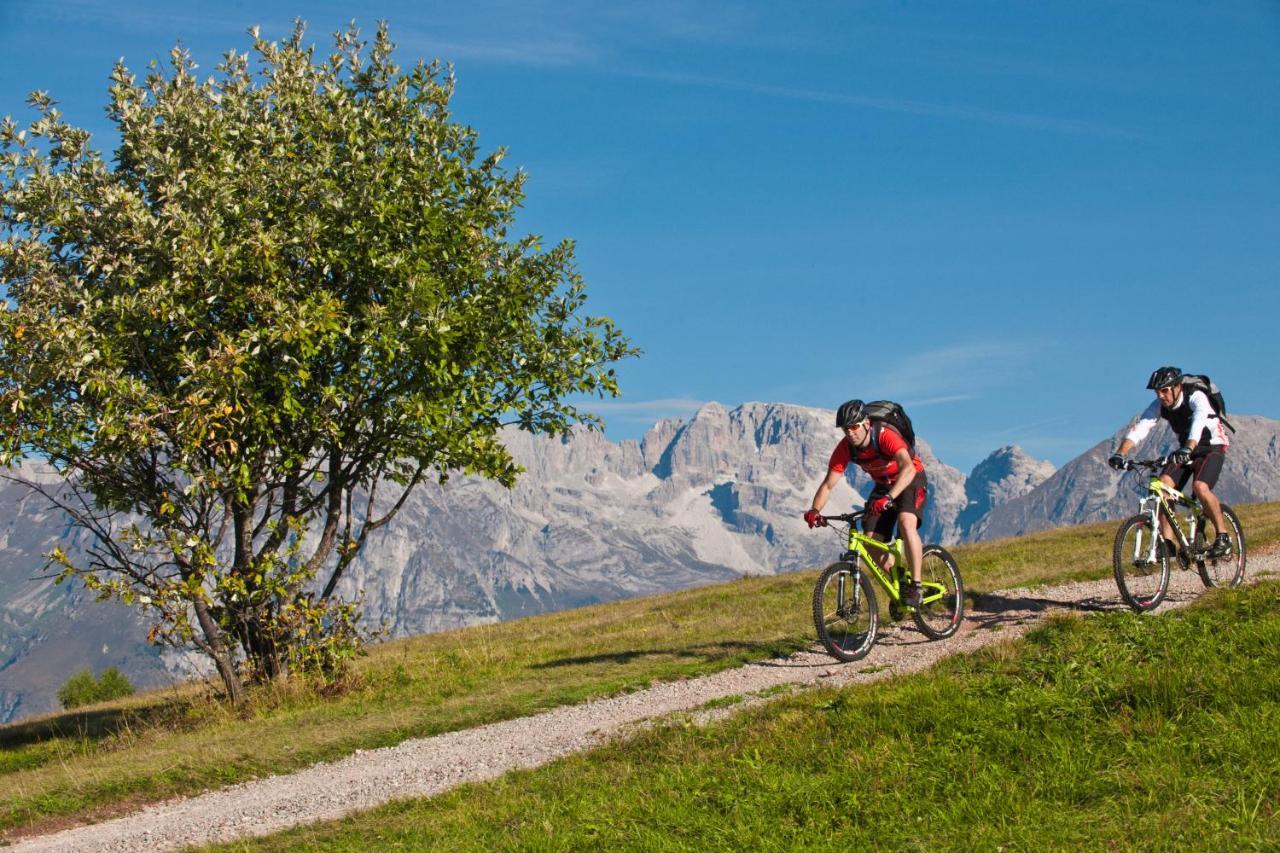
(942, 605)
(1227, 570)
(844, 611)
(1141, 569)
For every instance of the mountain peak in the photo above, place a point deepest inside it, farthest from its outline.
(1006, 474)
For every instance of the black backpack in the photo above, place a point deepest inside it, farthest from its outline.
(1200, 382)
(889, 412)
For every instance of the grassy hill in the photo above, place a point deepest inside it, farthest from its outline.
(111, 758)
(1113, 732)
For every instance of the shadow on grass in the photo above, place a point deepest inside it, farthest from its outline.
(992, 609)
(728, 648)
(86, 725)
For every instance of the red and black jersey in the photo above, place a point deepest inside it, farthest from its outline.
(878, 463)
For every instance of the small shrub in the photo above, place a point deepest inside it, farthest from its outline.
(83, 689)
(113, 684)
(80, 689)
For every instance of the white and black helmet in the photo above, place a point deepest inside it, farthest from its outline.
(850, 413)
(1163, 377)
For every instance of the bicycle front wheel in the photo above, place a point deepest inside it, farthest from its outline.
(1142, 571)
(845, 613)
(1228, 569)
(942, 608)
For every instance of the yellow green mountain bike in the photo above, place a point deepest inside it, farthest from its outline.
(1142, 561)
(846, 612)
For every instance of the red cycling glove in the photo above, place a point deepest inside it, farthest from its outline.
(813, 519)
(880, 504)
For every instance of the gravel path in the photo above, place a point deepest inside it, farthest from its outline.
(424, 767)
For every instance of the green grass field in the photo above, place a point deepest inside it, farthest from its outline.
(105, 759)
(1111, 732)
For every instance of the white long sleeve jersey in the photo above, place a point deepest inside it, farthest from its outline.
(1203, 421)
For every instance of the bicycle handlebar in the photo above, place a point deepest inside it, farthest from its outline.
(847, 518)
(1152, 464)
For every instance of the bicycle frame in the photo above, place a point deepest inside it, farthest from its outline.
(846, 608)
(859, 554)
(1161, 500)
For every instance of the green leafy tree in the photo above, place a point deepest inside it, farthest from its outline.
(113, 684)
(83, 689)
(79, 689)
(290, 297)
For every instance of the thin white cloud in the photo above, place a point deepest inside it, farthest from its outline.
(644, 413)
(550, 36)
(178, 19)
(550, 45)
(1031, 436)
(941, 372)
(1022, 429)
(701, 22)
(544, 52)
(937, 401)
(663, 408)
(585, 35)
(1028, 121)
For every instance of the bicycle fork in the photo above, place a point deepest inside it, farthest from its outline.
(1148, 553)
(855, 578)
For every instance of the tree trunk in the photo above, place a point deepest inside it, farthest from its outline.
(255, 625)
(219, 652)
(262, 647)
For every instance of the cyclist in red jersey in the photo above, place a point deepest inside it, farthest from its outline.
(901, 489)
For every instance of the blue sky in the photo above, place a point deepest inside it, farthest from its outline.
(1002, 214)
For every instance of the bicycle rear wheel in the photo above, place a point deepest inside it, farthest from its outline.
(1142, 572)
(1227, 570)
(940, 613)
(845, 613)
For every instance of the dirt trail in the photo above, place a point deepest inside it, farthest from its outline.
(424, 767)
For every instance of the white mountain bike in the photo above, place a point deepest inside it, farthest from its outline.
(1140, 559)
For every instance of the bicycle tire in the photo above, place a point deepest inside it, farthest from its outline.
(846, 623)
(1224, 571)
(941, 618)
(1143, 585)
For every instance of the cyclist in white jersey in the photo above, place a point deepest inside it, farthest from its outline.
(1203, 447)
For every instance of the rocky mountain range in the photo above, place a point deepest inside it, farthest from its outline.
(49, 632)
(1085, 489)
(708, 499)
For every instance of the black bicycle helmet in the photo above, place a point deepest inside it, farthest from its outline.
(852, 412)
(1163, 377)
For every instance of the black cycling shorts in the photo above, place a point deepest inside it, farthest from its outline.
(1204, 468)
(912, 501)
